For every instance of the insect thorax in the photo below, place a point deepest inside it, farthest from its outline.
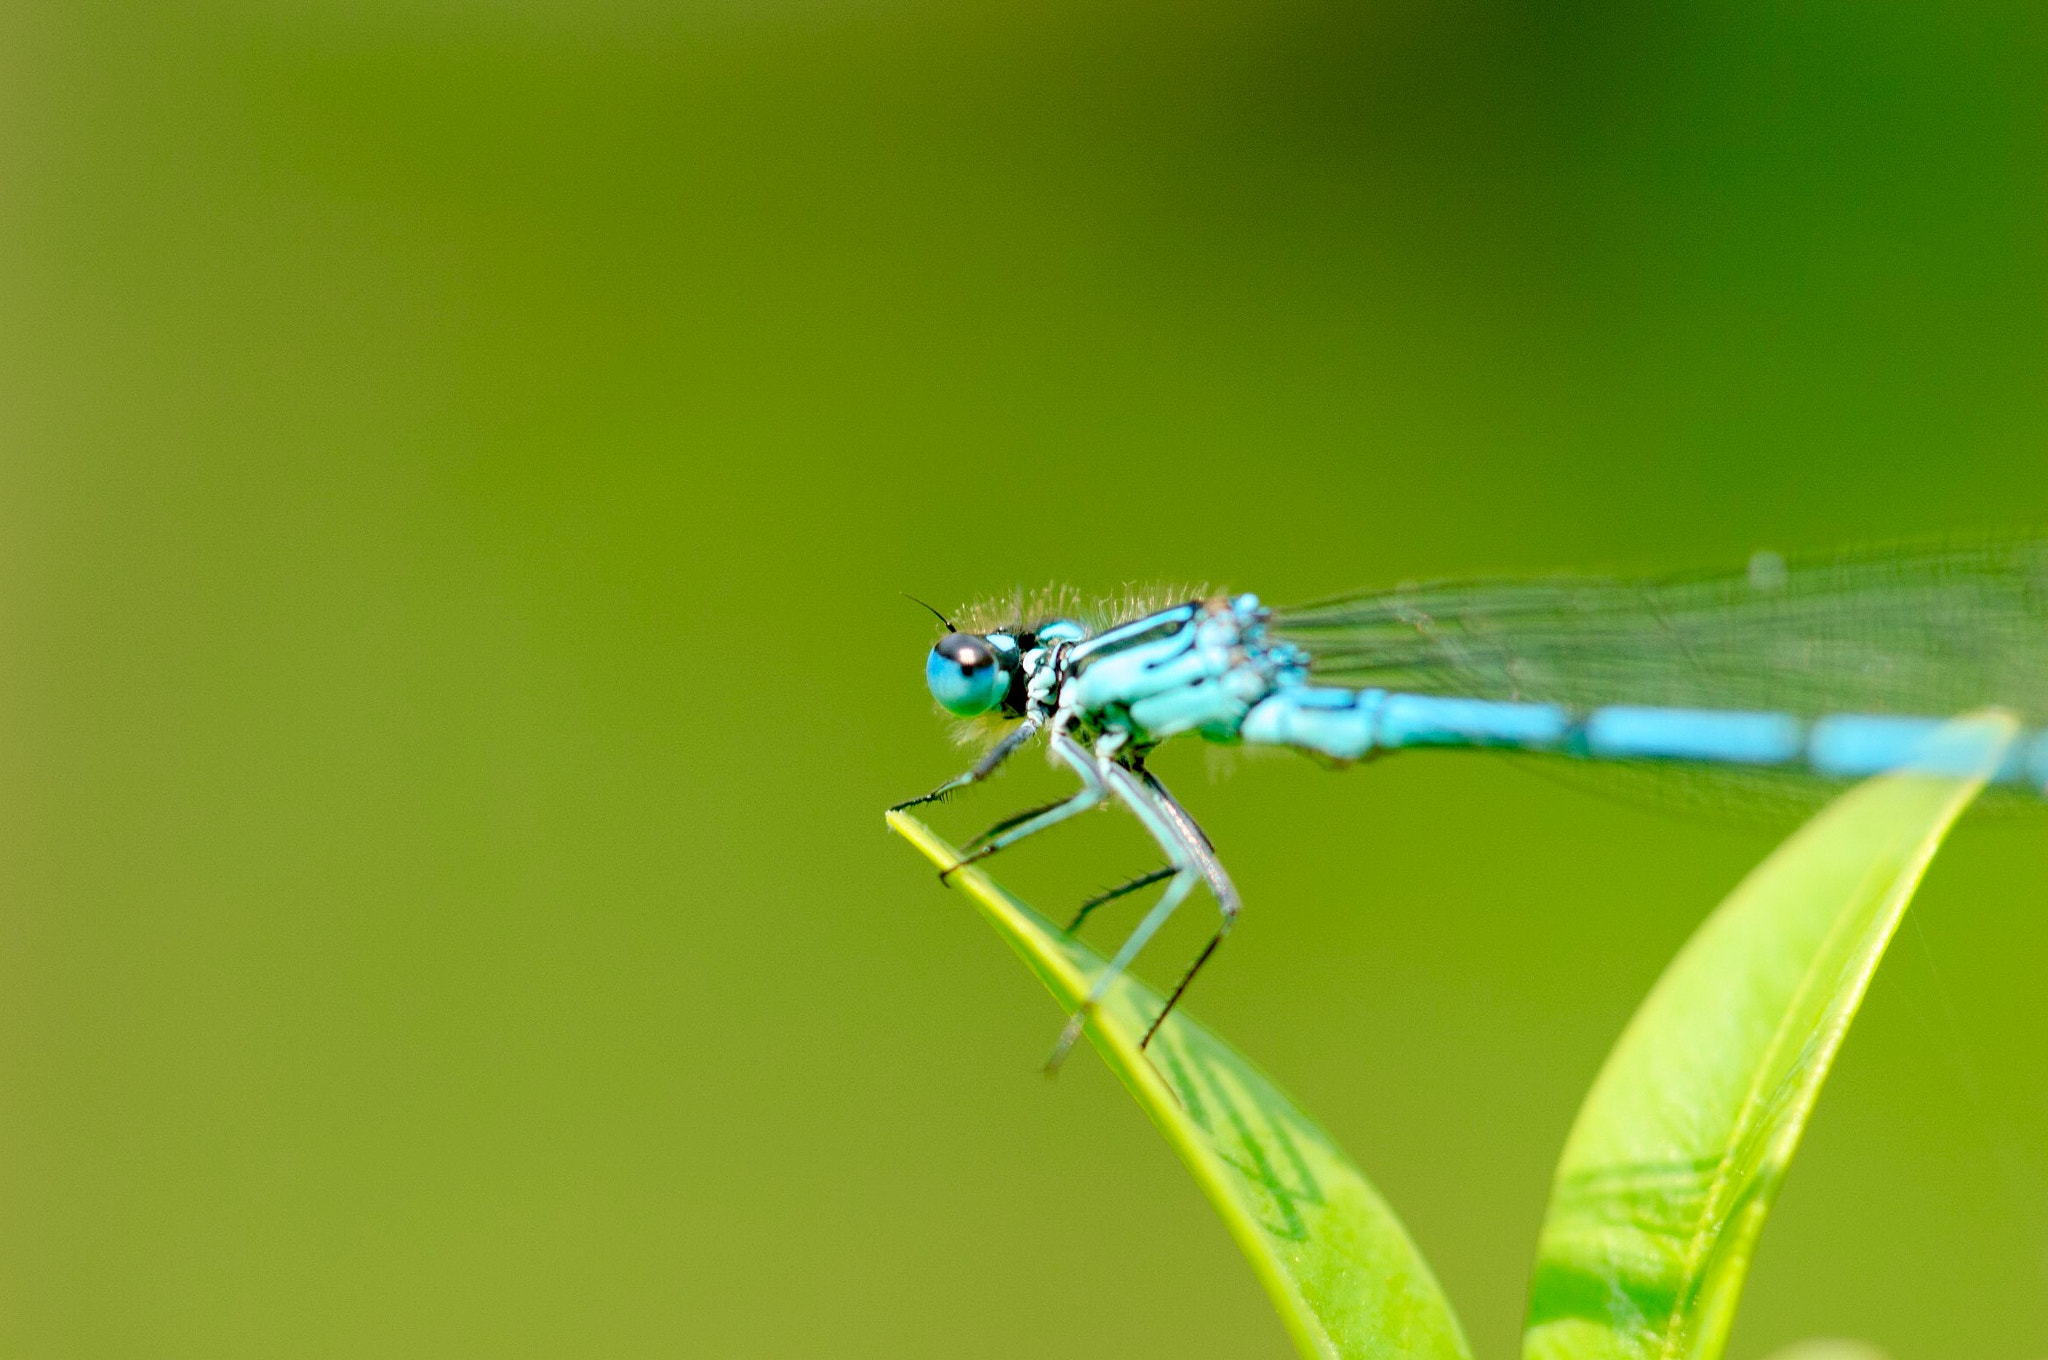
(1196, 667)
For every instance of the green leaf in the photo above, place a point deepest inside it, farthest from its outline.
(1340, 1268)
(1683, 1142)
(1828, 1348)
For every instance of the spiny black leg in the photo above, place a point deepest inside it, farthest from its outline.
(1186, 978)
(983, 768)
(1017, 819)
(937, 795)
(979, 848)
(1176, 845)
(1093, 791)
(1225, 892)
(1142, 880)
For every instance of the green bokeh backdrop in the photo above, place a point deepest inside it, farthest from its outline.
(460, 459)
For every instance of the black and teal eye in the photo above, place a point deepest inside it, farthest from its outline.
(964, 674)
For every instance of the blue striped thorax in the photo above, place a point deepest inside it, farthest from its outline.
(1197, 667)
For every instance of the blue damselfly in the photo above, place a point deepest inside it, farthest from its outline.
(1819, 671)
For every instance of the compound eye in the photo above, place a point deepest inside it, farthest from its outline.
(963, 675)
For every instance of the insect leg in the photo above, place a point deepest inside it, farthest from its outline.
(1174, 844)
(983, 768)
(1228, 904)
(1141, 881)
(1092, 792)
(1197, 842)
(1014, 819)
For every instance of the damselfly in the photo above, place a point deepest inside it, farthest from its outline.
(1828, 670)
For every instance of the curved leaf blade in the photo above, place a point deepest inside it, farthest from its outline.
(1678, 1153)
(1348, 1282)
(1828, 1348)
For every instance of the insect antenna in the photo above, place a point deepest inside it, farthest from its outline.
(935, 613)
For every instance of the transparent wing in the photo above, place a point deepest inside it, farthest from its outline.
(1922, 630)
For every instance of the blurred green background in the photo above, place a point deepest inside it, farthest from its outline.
(460, 462)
